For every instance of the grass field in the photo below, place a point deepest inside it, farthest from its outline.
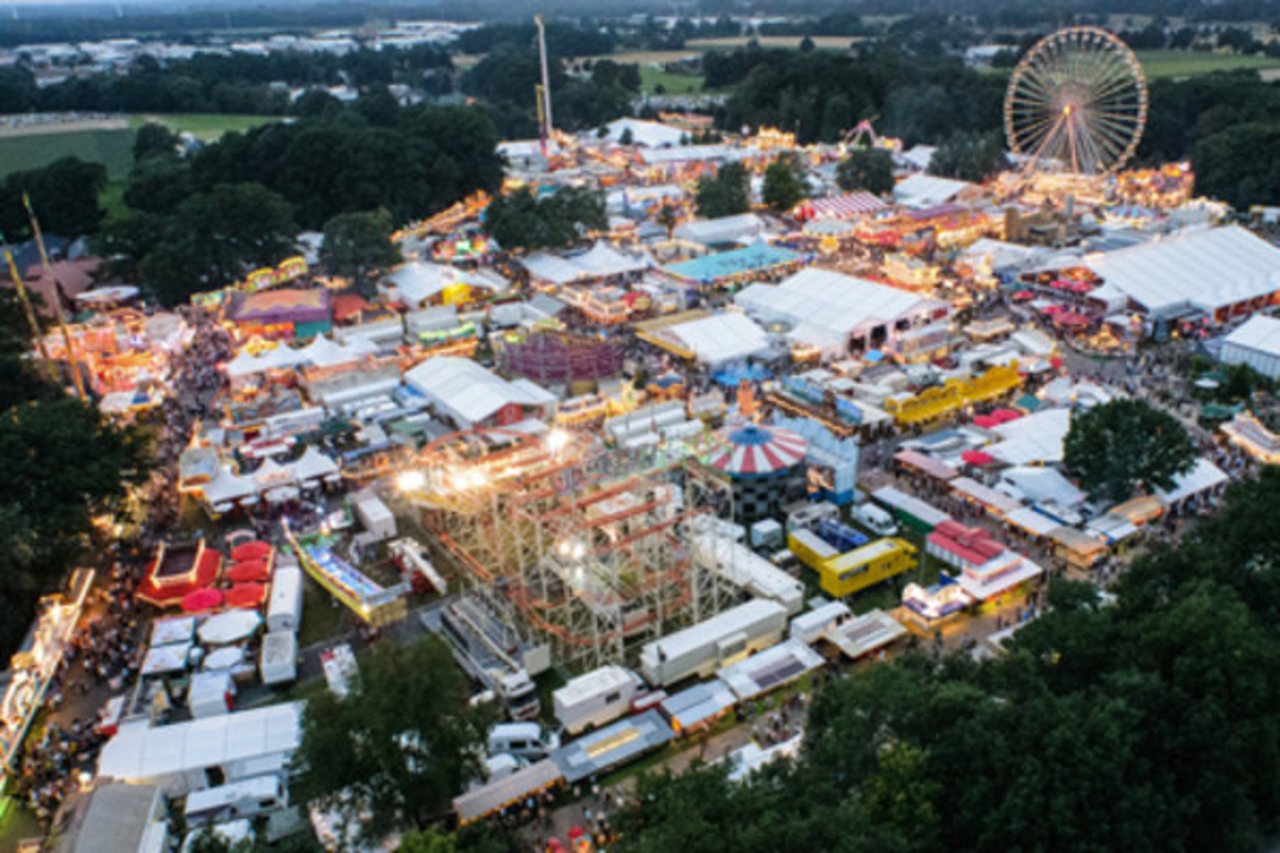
(1183, 63)
(730, 42)
(672, 83)
(111, 148)
(204, 125)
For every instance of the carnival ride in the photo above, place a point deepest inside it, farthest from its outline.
(1076, 104)
(583, 548)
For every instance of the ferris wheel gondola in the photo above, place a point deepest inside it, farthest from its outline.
(1076, 103)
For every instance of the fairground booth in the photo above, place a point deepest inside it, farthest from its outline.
(288, 314)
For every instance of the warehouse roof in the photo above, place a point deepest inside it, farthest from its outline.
(833, 303)
(1260, 333)
(1204, 269)
(468, 392)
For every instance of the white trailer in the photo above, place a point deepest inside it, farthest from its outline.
(374, 514)
(210, 694)
(747, 570)
(703, 648)
(244, 799)
(818, 622)
(278, 662)
(284, 608)
(598, 697)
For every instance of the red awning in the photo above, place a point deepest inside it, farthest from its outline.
(248, 571)
(256, 550)
(986, 421)
(246, 595)
(977, 457)
(1023, 296)
(1005, 415)
(201, 600)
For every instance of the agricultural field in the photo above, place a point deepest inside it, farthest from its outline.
(107, 142)
(672, 83)
(204, 126)
(112, 148)
(730, 42)
(1185, 63)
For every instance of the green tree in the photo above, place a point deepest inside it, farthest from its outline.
(785, 185)
(427, 841)
(64, 195)
(154, 140)
(668, 218)
(869, 169)
(1123, 445)
(969, 156)
(357, 244)
(402, 743)
(214, 238)
(726, 194)
(518, 220)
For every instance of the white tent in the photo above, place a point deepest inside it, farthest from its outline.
(602, 261)
(1203, 477)
(230, 626)
(227, 487)
(272, 474)
(1206, 269)
(742, 228)
(649, 134)
(928, 190)
(467, 392)
(721, 338)
(1040, 484)
(1036, 438)
(314, 465)
(1256, 343)
(322, 352)
(552, 268)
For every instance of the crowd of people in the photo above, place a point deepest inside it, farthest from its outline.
(104, 654)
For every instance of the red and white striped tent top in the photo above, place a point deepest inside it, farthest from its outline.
(758, 451)
(845, 206)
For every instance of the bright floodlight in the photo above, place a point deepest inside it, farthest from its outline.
(410, 481)
(558, 440)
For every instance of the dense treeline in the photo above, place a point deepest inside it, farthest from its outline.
(1146, 725)
(237, 83)
(504, 80)
(197, 222)
(819, 95)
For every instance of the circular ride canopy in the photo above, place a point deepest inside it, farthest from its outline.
(758, 451)
(1076, 103)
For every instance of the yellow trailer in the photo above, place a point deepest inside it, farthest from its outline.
(853, 571)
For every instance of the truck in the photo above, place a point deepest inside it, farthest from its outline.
(525, 741)
(595, 698)
(723, 639)
(278, 661)
(244, 799)
(339, 667)
(284, 606)
(410, 557)
(815, 624)
(472, 633)
(373, 514)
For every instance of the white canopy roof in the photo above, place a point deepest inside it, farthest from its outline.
(314, 465)
(1259, 332)
(227, 486)
(1205, 269)
(832, 301)
(418, 281)
(552, 268)
(1035, 438)
(139, 752)
(1043, 484)
(602, 261)
(1203, 477)
(742, 228)
(923, 190)
(281, 357)
(468, 392)
(271, 474)
(721, 337)
(649, 134)
(322, 352)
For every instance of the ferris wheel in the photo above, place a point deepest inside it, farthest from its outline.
(1076, 103)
